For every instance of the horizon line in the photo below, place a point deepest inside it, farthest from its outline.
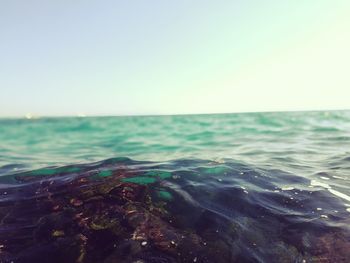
(82, 115)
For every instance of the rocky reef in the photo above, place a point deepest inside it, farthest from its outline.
(94, 214)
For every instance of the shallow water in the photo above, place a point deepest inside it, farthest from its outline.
(257, 187)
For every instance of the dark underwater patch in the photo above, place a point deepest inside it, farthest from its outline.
(120, 210)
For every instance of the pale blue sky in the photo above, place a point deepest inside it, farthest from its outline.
(173, 57)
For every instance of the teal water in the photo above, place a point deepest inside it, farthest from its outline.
(239, 187)
(311, 140)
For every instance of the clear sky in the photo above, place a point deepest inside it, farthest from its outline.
(173, 57)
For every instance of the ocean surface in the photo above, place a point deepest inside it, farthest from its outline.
(250, 187)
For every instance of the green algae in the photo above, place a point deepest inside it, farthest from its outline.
(215, 170)
(53, 171)
(160, 174)
(165, 195)
(45, 171)
(139, 180)
(105, 173)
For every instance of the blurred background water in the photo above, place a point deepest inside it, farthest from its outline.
(305, 142)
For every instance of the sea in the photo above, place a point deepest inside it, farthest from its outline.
(244, 187)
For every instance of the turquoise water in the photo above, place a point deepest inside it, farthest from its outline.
(311, 140)
(238, 187)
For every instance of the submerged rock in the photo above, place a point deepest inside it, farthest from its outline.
(105, 215)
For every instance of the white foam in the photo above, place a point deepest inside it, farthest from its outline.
(316, 183)
(339, 194)
(335, 192)
(287, 188)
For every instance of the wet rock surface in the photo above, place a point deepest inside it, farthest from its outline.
(98, 216)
